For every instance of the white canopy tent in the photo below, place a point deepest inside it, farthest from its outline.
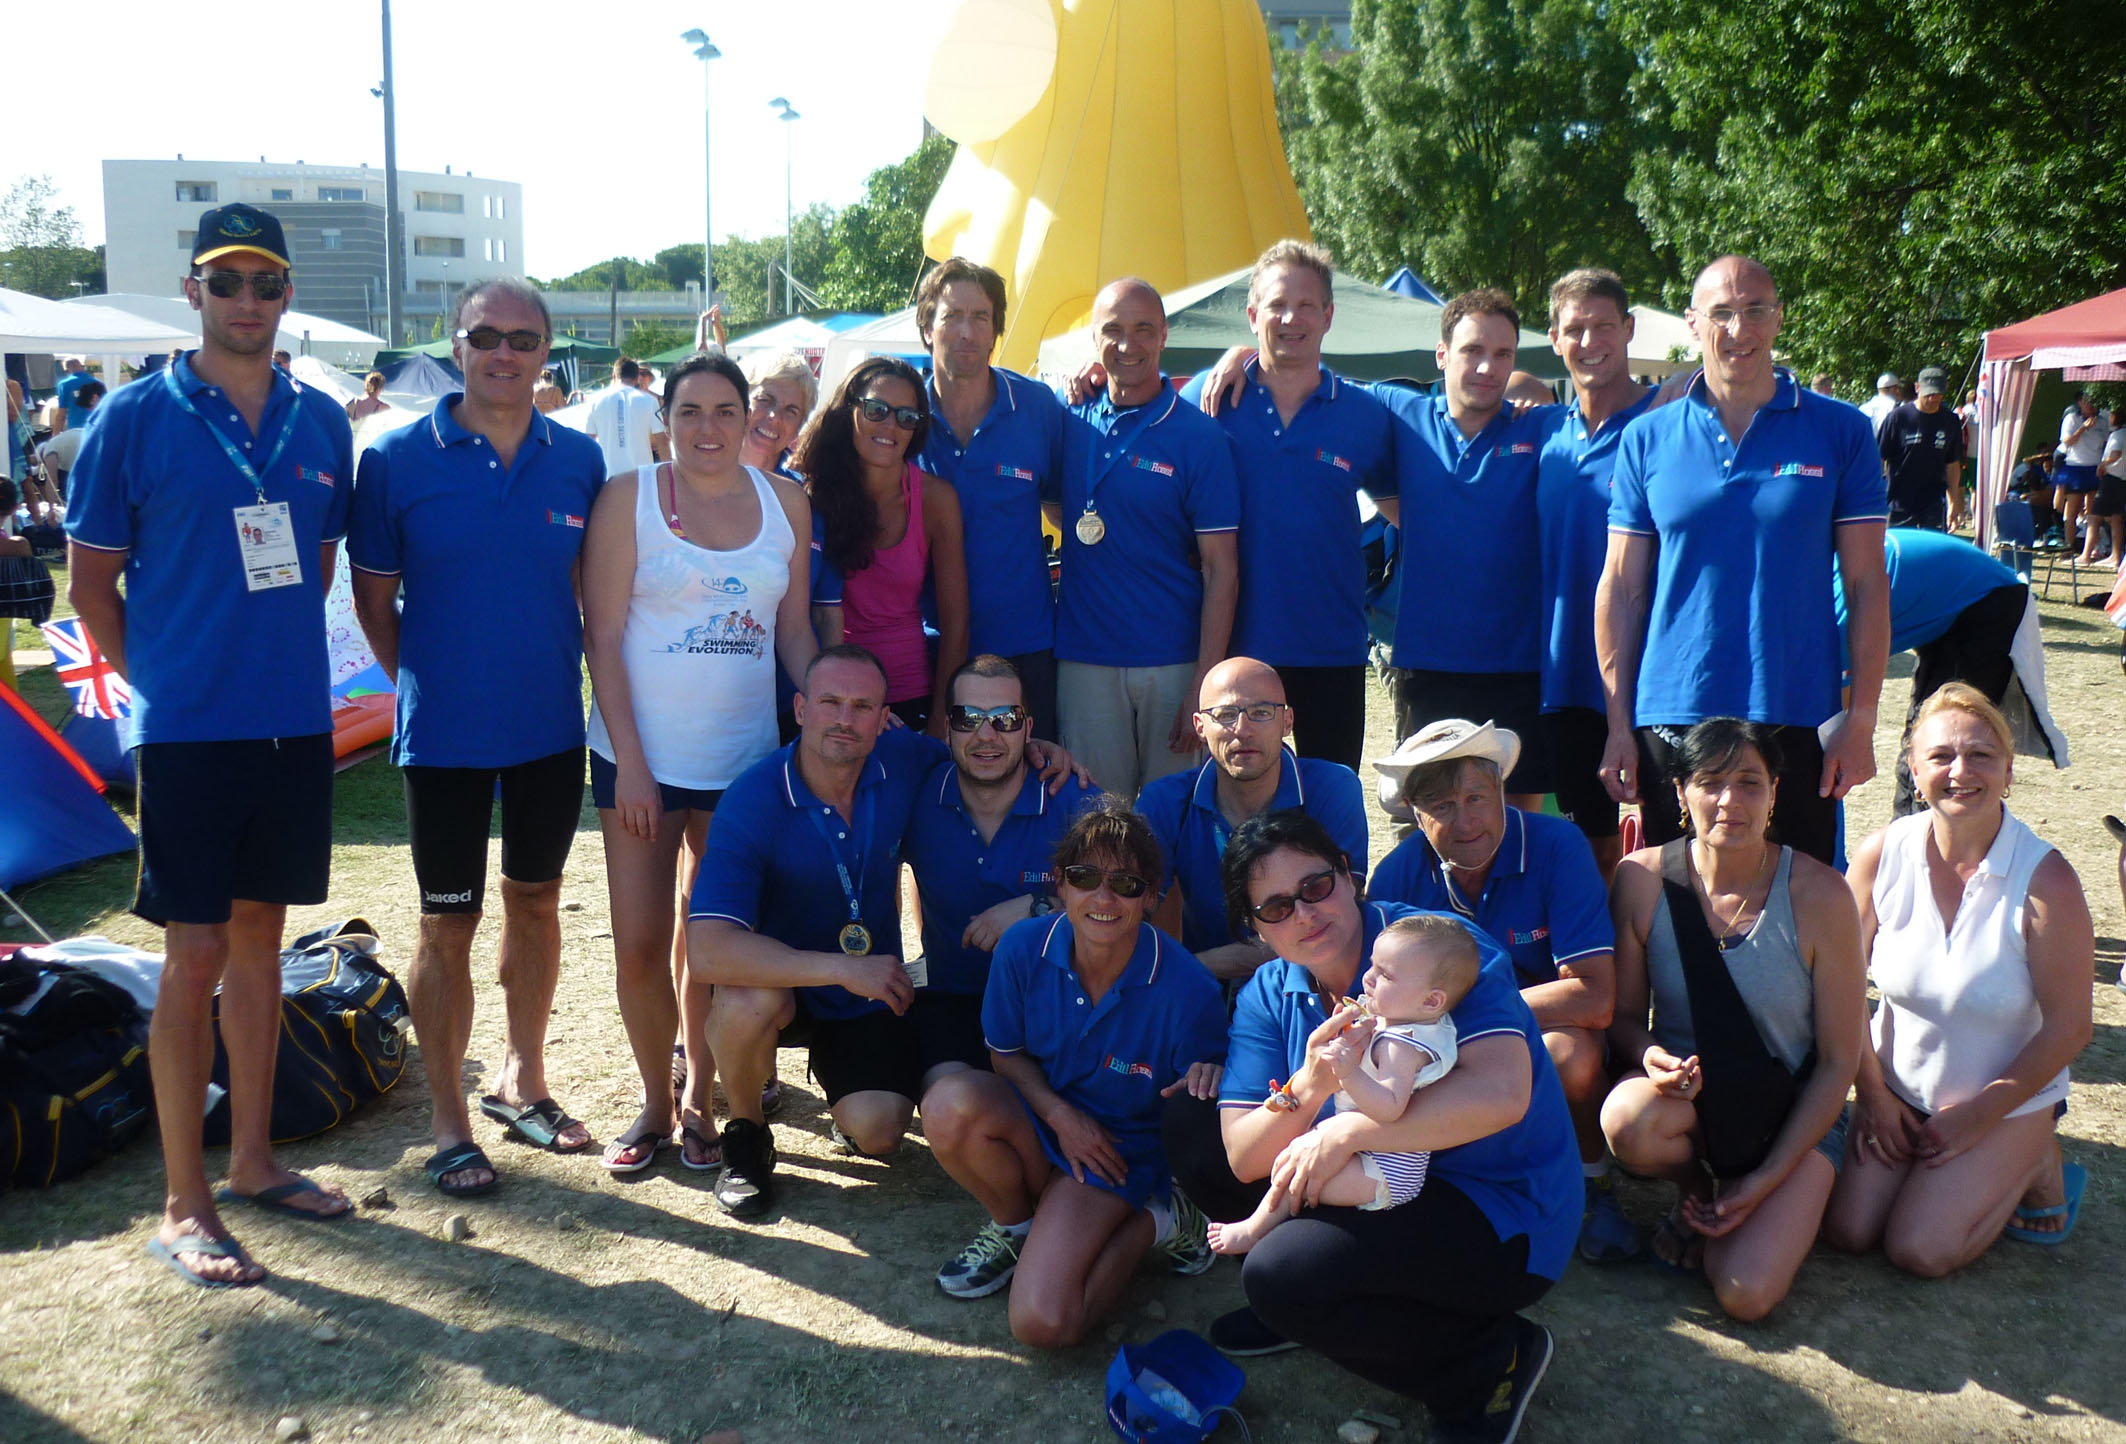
(31, 325)
(893, 335)
(301, 333)
(1659, 339)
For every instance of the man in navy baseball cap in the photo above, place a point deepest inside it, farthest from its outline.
(226, 230)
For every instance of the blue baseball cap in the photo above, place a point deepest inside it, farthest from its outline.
(235, 227)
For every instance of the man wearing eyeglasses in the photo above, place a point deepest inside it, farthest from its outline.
(477, 513)
(218, 492)
(1243, 720)
(1728, 510)
(624, 421)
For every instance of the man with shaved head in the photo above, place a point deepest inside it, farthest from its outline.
(1149, 508)
(1244, 720)
(1727, 512)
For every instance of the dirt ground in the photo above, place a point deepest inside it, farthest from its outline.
(589, 1308)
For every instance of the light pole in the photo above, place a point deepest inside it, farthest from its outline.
(705, 50)
(786, 112)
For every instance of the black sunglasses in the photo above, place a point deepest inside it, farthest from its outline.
(908, 417)
(1086, 878)
(1313, 888)
(486, 338)
(230, 284)
(963, 718)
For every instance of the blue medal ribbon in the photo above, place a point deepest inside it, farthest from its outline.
(852, 888)
(236, 457)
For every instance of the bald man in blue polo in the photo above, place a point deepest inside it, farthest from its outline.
(1728, 511)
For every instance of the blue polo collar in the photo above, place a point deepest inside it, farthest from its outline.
(1616, 419)
(1105, 409)
(1291, 792)
(194, 385)
(444, 427)
(1144, 961)
(1330, 387)
(797, 794)
(1786, 391)
(1032, 800)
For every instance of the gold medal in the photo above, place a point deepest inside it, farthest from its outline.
(856, 940)
(1091, 528)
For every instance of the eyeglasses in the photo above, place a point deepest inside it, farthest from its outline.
(229, 284)
(908, 418)
(486, 338)
(1313, 888)
(1086, 878)
(1260, 713)
(963, 718)
(1754, 314)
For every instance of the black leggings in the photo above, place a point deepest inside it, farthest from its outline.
(1419, 1299)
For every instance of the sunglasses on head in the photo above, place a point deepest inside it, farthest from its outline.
(1086, 878)
(908, 418)
(1313, 888)
(230, 284)
(963, 718)
(486, 338)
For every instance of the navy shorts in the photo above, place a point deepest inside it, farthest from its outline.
(227, 820)
(605, 774)
(450, 809)
(1573, 739)
(2076, 478)
(879, 1052)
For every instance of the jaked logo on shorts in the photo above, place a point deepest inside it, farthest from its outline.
(1341, 463)
(562, 518)
(1157, 468)
(447, 897)
(1016, 473)
(1797, 468)
(1119, 1065)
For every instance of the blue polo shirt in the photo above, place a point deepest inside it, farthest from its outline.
(490, 633)
(1303, 571)
(210, 660)
(1182, 809)
(1933, 577)
(1740, 623)
(1001, 473)
(1474, 498)
(1107, 1059)
(769, 862)
(958, 875)
(1573, 470)
(64, 393)
(1158, 474)
(1525, 1177)
(1543, 902)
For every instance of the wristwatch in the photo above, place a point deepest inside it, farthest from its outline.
(1043, 905)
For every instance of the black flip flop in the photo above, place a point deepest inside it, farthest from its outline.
(538, 1123)
(276, 1198)
(201, 1244)
(457, 1159)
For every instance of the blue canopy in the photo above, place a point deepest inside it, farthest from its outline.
(420, 375)
(1407, 282)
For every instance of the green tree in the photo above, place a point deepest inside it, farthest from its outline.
(877, 243)
(1912, 175)
(634, 276)
(647, 338)
(40, 242)
(1482, 142)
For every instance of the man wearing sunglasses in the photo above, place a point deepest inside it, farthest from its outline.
(1244, 722)
(218, 492)
(478, 514)
(1728, 509)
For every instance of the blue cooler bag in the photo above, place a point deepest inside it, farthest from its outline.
(1172, 1390)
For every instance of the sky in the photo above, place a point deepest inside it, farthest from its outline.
(596, 109)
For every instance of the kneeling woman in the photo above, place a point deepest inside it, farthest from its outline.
(1424, 1297)
(1980, 942)
(1092, 1017)
(1739, 1003)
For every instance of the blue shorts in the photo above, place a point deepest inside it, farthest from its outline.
(1144, 1180)
(2076, 478)
(605, 774)
(219, 821)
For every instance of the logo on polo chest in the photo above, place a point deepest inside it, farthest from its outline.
(1016, 473)
(1341, 463)
(1128, 1069)
(1517, 448)
(1797, 468)
(311, 473)
(562, 518)
(1146, 463)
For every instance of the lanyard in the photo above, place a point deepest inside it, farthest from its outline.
(236, 458)
(851, 888)
(1095, 468)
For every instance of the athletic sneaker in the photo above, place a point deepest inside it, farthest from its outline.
(1242, 1334)
(1606, 1235)
(984, 1266)
(1188, 1246)
(1500, 1422)
(746, 1184)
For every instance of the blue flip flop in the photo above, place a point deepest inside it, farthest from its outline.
(2074, 1180)
(276, 1198)
(212, 1248)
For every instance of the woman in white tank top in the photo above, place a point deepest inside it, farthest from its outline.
(694, 585)
(1980, 943)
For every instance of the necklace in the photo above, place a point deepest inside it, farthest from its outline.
(1726, 932)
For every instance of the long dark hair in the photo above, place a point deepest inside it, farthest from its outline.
(825, 456)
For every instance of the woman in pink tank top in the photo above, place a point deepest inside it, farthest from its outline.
(891, 528)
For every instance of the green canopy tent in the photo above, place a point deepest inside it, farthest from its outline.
(1376, 334)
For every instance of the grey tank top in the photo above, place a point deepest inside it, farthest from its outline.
(1767, 969)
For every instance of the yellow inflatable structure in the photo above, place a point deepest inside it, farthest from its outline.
(1102, 138)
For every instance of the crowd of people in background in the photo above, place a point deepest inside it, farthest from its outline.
(1164, 1003)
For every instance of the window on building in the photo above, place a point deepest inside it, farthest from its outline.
(329, 239)
(501, 208)
(283, 193)
(490, 248)
(502, 252)
(185, 240)
(199, 193)
(428, 288)
(449, 203)
(339, 193)
(487, 207)
(448, 247)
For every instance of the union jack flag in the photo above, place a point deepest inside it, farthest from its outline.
(98, 691)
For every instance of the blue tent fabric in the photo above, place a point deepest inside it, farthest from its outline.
(1407, 282)
(419, 375)
(100, 742)
(55, 816)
